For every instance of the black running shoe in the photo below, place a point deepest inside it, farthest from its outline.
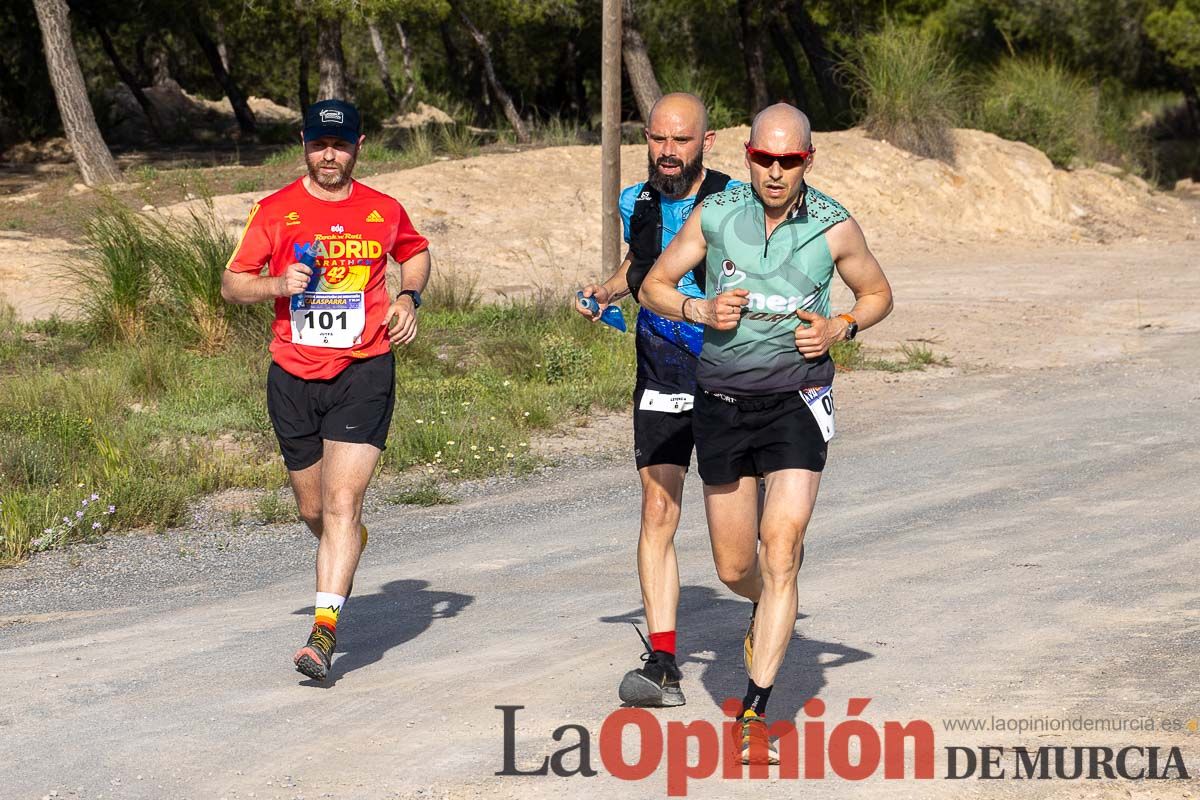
(315, 657)
(656, 683)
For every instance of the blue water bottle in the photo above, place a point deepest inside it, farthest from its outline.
(612, 315)
(307, 257)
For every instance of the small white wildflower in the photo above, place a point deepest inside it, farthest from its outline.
(95, 526)
(112, 509)
(78, 513)
(526, 413)
(94, 497)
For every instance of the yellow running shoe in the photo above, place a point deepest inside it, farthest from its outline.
(757, 747)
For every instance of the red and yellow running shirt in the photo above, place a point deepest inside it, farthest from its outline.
(341, 317)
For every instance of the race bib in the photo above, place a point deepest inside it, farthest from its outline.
(820, 403)
(666, 403)
(329, 319)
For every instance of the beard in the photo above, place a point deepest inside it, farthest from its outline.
(675, 186)
(331, 182)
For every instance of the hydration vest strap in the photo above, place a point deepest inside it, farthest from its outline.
(645, 230)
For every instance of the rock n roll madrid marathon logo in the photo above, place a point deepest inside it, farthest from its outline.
(634, 745)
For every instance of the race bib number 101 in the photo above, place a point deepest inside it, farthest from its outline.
(329, 319)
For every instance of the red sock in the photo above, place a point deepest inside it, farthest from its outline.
(664, 641)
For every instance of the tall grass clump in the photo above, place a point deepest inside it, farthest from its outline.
(116, 277)
(140, 273)
(908, 90)
(1043, 104)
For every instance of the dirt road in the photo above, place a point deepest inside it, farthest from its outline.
(992, 540)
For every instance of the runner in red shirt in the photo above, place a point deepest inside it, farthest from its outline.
(325, 240)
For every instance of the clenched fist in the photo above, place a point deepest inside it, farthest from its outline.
(294, 279)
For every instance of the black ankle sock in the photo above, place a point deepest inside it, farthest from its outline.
(756, 698)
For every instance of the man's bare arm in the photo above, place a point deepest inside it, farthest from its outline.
(610, 291)
(861, 272)
(414, 274)
(660, 293)
(244, 288)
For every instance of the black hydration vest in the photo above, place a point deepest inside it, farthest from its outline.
(645, 230)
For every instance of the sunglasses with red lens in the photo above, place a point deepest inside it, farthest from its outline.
(765, 158)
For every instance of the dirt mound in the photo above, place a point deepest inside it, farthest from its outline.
(56, 150)
(521, 222)
(180, 115)
(424, 114)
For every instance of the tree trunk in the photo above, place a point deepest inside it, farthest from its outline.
(385, 67)
(788, 56)
(331, 61)
(822, 62)
(160, 65)
(127, 77)
(646, 91)
(95, 162)
(757, 94)
(302, 95)
(241, 109)
(222, 50)
(410, 81)
(489, 71)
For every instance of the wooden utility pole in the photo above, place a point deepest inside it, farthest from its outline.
(610, 138)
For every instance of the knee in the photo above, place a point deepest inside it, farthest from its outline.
(341, 503)
(660, 513)
(310, 513)
(781, 562)
(733, 573)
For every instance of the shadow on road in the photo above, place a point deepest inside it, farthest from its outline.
(711, 629)
(372, 624)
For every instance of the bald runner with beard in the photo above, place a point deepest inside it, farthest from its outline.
(765, 400)
(677, 137)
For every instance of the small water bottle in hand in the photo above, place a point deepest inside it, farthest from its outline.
(307, 257)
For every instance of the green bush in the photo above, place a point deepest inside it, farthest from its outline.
(1043, 104)
(907, 89)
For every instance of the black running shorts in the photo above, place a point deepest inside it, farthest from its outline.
(754, 436)
(660, 437)
(354, 406)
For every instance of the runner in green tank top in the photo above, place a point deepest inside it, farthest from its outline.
(766, 404)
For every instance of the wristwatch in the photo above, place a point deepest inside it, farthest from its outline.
(852, 323)
(414, 294)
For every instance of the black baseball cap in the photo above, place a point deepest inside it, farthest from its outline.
(332, 118)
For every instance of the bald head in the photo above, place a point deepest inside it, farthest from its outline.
(679, 109)
(781, 128)
(677, 137)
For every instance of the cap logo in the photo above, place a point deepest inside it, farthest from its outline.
(333, 115)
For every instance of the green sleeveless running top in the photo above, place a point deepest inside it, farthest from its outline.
(792, 269)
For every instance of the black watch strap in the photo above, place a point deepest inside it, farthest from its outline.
(414, 294)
